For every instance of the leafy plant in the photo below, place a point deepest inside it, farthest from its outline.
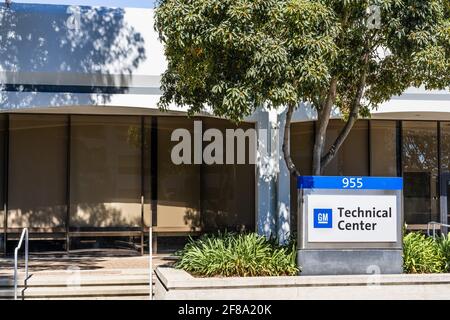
(444, 246)
(422, 254)
(243, 255)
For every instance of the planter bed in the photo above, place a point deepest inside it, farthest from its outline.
(175, 284)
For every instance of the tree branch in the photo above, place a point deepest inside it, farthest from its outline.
(353, 116)
(323, 118)
(286, 150)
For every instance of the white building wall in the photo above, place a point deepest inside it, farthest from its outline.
(71, 49)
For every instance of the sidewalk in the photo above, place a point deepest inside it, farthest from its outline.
(85, 260)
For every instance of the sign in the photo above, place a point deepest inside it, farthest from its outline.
(349, 183)
(350, 210)
(352, 218)
(350, 225)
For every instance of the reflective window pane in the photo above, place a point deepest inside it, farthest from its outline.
(3, 137)
(148, 156)
(228, 190)
(353, 157)
(383, 143)
(445, 161)
(37, 169)
(301, 146)
(445, 147)
(105, 173)
(420, 171)
(178, 186)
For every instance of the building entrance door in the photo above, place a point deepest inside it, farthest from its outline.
(445, 200)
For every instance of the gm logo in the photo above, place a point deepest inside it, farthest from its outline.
(323, 218)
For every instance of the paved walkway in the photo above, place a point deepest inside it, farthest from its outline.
(86, 260)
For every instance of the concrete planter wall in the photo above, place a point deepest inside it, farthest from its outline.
(173, 284)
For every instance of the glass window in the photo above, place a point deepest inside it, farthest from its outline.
(149, 167)
(178, 185)
(445, 161)
(420, 171)
(383, 143)
(353, 157)
(228, 190)
(105, 173)
(301, 147)
(200, 197)
(3, 136)
(37, 194)
(445, 147)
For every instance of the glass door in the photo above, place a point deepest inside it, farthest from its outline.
(420, 173)
(445, 200)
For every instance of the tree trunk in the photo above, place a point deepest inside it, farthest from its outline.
(353, 116)
(323, 118)
(287, 134)
(326, 159)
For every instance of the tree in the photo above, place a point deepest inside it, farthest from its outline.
(233, 56)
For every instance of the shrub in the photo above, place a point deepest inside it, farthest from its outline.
(444, 247)
(421, 254)
(243, 255)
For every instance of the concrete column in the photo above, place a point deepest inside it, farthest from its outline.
(304, 112)
(283, 187)
(266, 174)
(273, 178)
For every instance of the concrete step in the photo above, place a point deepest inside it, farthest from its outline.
(101, 284)
(83, 271)
(7, 293)
(78, 292)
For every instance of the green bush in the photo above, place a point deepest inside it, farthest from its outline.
(444, 247)
(422, 254)
(242, 255)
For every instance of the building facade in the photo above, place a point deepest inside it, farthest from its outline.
(85, 152)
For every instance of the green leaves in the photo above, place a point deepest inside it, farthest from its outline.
(444, 247)
(250, 255)
(236, 55)
(243, 255)
(422, 254)
(249, 53)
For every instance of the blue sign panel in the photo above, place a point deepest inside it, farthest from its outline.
(350, 183)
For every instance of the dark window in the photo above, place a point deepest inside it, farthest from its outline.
(445, 162)
(301, 146)
(420, 171)
(178, 186)
(445, 147)
(149, 170)
(105, 174)
(3, 160)
(228, 190)
(202, 197)
(37, 194)
(383, 144)
(352, 159)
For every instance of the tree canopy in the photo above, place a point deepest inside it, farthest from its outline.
(233, 56)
